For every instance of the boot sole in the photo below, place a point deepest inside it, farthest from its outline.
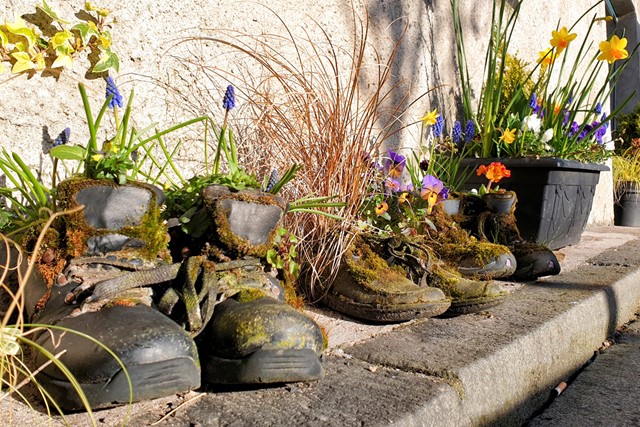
(263, 366)
(388, 314)
(148, 381)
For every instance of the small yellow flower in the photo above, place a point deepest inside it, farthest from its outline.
(382, 208)
(508, 136)
(561, 39)
(403, 198)
(546, 57)
(430, 118)
(97, 157)
(613, 50)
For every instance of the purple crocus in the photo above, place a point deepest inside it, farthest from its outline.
(394, 164)
(112, 90)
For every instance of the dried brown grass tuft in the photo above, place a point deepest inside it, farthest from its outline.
(327, 108)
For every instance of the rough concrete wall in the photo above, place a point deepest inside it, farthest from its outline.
(168, 89)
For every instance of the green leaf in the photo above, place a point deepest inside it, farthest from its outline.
(86, 32)
(47, 9)
(68, 152)
(107, 60)
(271, 256)
(20, 28)
(3, 39)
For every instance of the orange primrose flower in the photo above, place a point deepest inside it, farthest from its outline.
(613, 50)
(494, 172)
(561, 39)
(382, 208)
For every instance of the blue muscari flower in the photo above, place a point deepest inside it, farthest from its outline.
(229, 100)
(570, 100)
(587, 128)
(600, 132)
(469, 131)
(274, 177)
(63, 138)
(456, 132)
(438, 126)
(574, 128)
(598, 108)
(112, 89)
(533, 101)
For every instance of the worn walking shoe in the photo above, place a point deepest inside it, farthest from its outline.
(423, 267)
(533, 260)
(367, 288)
(472, 258)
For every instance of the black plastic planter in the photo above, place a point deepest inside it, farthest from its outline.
(554, 196)
(627, 208)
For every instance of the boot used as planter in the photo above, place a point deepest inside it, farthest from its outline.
(118, 233)
(470, 257)
(367, 288)
(254, 337)
(421, 265)
(533, 260)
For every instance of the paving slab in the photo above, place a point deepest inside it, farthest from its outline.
(495, 367)
(605, 392)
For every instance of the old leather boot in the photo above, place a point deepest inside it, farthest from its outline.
(114, 244)
(367, 288)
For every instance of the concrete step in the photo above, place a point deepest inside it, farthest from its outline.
(496, 367)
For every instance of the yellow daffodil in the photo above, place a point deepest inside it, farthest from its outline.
(430, 118)
(546, 58)
(613, 50)
(508, 136)
(561, 39)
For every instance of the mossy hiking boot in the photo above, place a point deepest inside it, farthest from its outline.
(367, 288)
(260, 341)
(114, 243)
(467, 296)
(472, 258)
(253, 337)
(533, 259)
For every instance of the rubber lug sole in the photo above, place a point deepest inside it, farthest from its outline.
(263, 366)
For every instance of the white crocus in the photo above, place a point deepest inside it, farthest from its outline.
(547, 135)
(531, 123)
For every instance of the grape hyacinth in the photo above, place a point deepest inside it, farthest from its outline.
(469, 131)
(598, 108)
(63, 138)
(456, 132)
(438, 126)
(274, 177)
(229, 100)
(112, 89)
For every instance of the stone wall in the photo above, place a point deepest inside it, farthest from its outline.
(170, 87)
